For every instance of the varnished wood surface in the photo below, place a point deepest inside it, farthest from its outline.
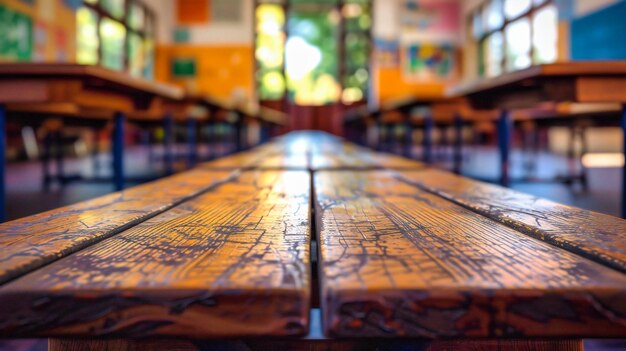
(95, 75)
(594, 235)
(399, 261)
(573, 68)
(31, 242)
(581, 81)
(317, 345)
(233, 261)
(240, 160)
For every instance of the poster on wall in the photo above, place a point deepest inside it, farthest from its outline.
(428, 62)
(386, 52)
(432, 20)
(16, 35)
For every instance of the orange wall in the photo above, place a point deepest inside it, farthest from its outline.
(390, 85)
(220, 70)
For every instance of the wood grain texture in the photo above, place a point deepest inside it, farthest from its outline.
(231, 262)
(363, 160)
(317, 345)
(240, 160)
(34, 241)
(596, 236)
(399, 261)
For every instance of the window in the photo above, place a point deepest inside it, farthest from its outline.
(117, 34)
(514, 34)
(313, 52)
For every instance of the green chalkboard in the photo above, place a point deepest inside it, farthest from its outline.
(183, 67)
(16, 35)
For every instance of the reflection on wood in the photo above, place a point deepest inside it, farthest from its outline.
(399, 261)
(33, 241)
(231, 262)
(594, 235)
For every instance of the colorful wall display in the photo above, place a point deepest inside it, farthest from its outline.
(386, 52)
(428, 62)
(438, 19)
(16, 35)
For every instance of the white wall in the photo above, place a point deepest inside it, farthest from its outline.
(206, 34)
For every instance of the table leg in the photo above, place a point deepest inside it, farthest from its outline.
(624, 167)
(381, 136)
(168, 142)
(192, 154)
(505, 128)
(427, 140)
(457, 157)
(118, 150)
(45, 160)
(3, 153)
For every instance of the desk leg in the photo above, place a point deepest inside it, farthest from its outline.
(408, 137)
(624, 167)
(381, 136)
(457, 157)
(427, 140)
(192, 152)
(118, 150)
(168, 143)
(505, 128)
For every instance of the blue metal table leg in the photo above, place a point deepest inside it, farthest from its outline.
(408, 134)
(428, 139)
(118, 150)
(192, 154)
(458, 144)
(3, 152)
(168, 140)
(624, 168)
(505, 128)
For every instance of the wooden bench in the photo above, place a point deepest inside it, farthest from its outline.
(229, 261)
(399, 260)
(266, 248)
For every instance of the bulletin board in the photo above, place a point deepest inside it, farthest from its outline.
(428, 62)
(16, 35)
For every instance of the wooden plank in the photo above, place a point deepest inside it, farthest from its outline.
(231, 262)
(34, 241)
(596, 236)
(240, 160)
(399, 261)
(284, 162)
(362, 159)
(362, 344)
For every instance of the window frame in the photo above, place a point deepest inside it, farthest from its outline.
(343, 32)
(484, 35)
(146, 32)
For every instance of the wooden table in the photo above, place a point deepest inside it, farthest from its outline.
(585, 82)
(78, 90)
(384, 252)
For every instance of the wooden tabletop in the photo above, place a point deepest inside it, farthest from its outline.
(577, 81)
(96, 75)
(403, 250)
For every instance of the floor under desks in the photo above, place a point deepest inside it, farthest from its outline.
(26, 195)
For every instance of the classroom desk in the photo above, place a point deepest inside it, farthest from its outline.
(584, 82)
(437, 109)
(78, 90)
